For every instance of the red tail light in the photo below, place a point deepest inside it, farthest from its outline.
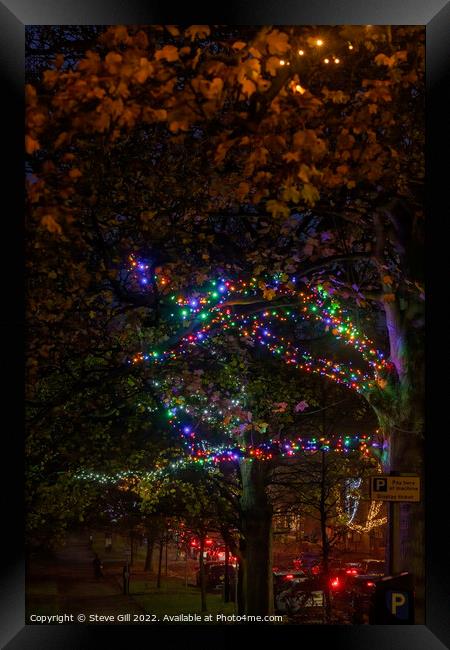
(352, 572)
(335, 583)
(290, 576)
(370, 584)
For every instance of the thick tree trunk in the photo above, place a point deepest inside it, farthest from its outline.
(226, 582)
(149, 553)
(406, 543)
(202, 575)
(406, 525)
(401, 414)
(158, 579)
(131, 548)
(400, 407)
(325, 542)
(257, 529)
(240, 587)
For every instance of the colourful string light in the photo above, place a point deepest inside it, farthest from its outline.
(209, 309)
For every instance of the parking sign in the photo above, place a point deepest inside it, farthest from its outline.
(395, 488)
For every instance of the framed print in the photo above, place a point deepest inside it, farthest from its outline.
(221, 283)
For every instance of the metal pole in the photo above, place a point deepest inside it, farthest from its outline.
(236, 577)
(226, 585)
(394, 534)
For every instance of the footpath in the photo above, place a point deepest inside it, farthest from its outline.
(65, 584)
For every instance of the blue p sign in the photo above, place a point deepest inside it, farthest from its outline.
(398, 603)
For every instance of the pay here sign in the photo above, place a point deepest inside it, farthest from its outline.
(395, 488)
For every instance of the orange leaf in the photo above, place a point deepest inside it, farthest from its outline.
(212, 89)
(31, 145)
(310, 194)
(382, 59)
(248, 87)
(168, 52)
(62, 137)
(243, 190)
(401, 55)
(173, 31)
(49, 222)
(120, 34)
(276, 208)
(197, 31)
(145, 70)
(141, 40)
(269, 293)
(291, 193)
(160, 113)
(30, 93)
(112, 60)
(239, 45)
(278, 42)
(291, 156)
(273, 65)
(304, 173)
(179, 125)
(255, 52)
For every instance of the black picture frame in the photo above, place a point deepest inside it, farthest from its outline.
(14, 16)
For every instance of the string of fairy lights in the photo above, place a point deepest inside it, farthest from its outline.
(210, 309)
(202, 451)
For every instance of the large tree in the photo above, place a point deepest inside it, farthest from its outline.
(290, 149)
(245, 412)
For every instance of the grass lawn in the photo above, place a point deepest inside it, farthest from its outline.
(174, 598)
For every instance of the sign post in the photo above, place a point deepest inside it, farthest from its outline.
(396, 488)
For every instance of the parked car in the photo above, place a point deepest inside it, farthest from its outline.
(365, 583)
(307, 558)
(284, 579)
(339, 580)
(293, 595)
(313, 566)
(373, 567)
(307, 562)
(359, 573)
(215, 575)
(353, 568)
